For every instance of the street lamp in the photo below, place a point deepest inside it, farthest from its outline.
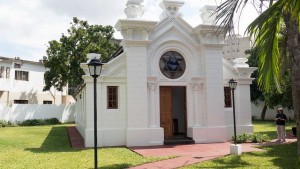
(232, 84)
(95, 67)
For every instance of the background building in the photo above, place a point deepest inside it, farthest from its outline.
(22, 82)
(22, 96)
(235, 47)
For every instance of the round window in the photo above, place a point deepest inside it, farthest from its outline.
(172, 65)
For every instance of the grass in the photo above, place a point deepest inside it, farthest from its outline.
(48, 147)
(276, 156)
(269, 128)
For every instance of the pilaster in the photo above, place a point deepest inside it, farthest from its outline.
(242, 95)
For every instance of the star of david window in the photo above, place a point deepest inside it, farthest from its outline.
(172, 65)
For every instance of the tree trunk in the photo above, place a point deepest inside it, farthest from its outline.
(293, 36)
(263, 112)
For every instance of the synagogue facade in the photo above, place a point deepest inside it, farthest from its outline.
(170, 80)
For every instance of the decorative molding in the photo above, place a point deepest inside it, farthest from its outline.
(104, 79)
(140, 43)
(197, 80)
(245, 72)
(152, 80)
(152, 86)
(135, 29)
(245, 81)
(171, 8)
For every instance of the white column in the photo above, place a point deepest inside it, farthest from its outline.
(196, 105)
(152, 112)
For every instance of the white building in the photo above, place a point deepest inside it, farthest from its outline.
(22, 82)
(170, 79)
(235, 47)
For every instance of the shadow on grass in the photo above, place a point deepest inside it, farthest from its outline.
(56, 141)
(115, 166)
(282, 156)
(271, 134)
(285, 155)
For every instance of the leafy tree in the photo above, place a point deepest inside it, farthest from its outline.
(265, 29)
(273, 97)
(64, 56)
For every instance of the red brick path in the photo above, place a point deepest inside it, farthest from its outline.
(188, 154)
(75, 138)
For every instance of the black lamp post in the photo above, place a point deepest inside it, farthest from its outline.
(232, 84)
(95, 67)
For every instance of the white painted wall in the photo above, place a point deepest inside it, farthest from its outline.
(31, 90)
(21, 112)
(271, 113)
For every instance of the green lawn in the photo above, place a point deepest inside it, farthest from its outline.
(279, 156)
(48, 147)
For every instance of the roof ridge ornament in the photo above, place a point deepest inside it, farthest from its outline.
(207, 14)
(134, 8)
(171, 8)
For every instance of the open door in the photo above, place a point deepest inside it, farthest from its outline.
(166, 111)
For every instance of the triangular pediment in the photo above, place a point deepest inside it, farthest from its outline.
(174, 28)
(115, 67)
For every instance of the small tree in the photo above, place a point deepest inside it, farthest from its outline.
(64, 56)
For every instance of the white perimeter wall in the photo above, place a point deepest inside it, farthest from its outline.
(271, 113)
(21, 112)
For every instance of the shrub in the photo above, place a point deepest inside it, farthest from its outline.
(4, 123)
(243, 138)
(258, 138)
(33, 122)
(253, 138)
(39, 122)
(52, 121)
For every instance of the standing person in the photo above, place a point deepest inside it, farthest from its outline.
(280, 124)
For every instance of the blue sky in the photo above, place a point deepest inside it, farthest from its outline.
(26, 26)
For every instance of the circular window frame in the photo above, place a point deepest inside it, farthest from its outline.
(172, 65)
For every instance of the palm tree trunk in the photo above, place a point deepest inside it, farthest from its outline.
(293, 36)
(263, 112)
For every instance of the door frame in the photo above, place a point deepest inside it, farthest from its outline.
(185, 119)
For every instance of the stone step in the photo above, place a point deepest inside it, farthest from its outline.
(179, 141)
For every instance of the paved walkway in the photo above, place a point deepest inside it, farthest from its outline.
(187, 154)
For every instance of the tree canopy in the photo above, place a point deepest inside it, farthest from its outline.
(64, 56)
(265, 30)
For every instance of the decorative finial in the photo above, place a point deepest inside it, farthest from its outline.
(207, 15)
(171, 8)
(134, 8)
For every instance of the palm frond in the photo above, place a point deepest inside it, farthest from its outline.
(266, 32)
(226, 12)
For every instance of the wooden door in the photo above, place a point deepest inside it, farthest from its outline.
(166, 112)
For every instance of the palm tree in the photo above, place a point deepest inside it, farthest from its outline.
(265, 30)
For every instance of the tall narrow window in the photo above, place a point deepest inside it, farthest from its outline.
(112, 97)
(227, 96)
(7, 72)
(21, 75)
(2, 72)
